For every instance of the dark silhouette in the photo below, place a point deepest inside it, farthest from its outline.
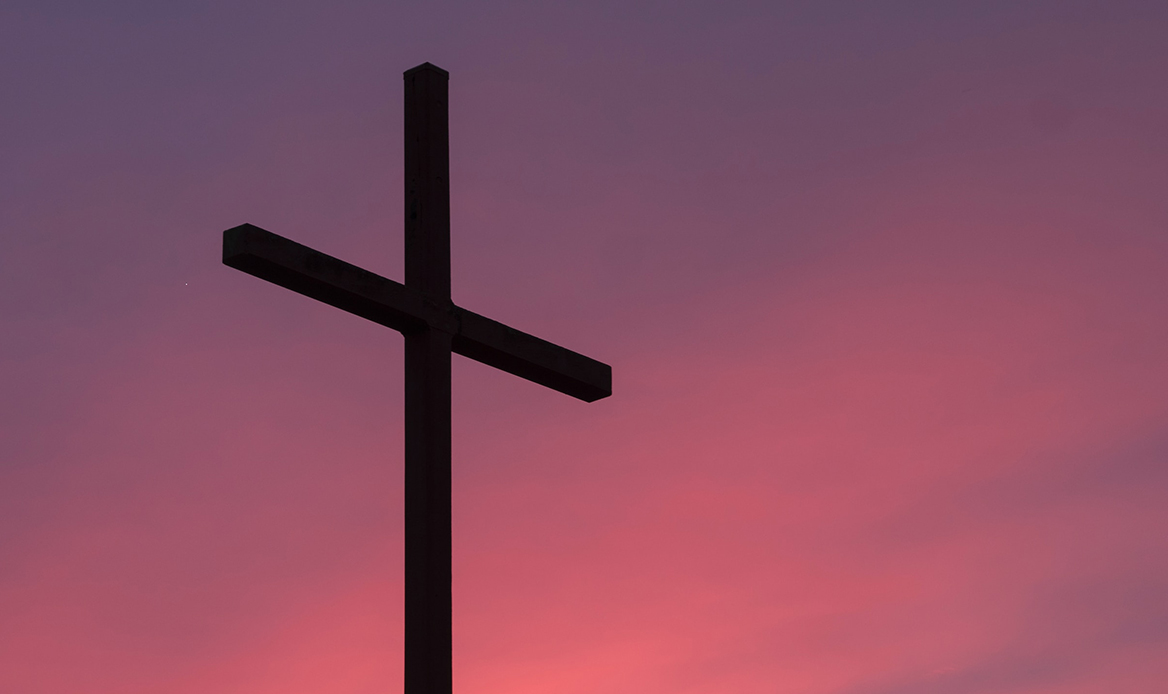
(433, 327)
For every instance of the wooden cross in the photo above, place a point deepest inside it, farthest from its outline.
(433, 327)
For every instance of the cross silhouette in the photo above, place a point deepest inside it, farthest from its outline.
(433, 327)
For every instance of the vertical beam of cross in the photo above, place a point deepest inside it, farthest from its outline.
(428, 616)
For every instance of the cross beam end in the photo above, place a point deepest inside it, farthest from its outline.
(529, 357)
(322, 277)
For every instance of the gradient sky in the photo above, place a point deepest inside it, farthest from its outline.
(884, 287)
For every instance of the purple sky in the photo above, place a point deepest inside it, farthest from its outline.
(884, 287)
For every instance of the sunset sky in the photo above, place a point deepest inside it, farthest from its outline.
(884, 288)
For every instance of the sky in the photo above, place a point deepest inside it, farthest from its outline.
(884, 288)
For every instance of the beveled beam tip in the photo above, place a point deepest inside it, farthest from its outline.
(426, 66)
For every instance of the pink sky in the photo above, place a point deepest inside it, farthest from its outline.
(884, 287)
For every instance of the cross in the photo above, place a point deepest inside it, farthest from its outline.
(433, 327)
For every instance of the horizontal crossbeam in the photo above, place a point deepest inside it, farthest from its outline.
(322, 277)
